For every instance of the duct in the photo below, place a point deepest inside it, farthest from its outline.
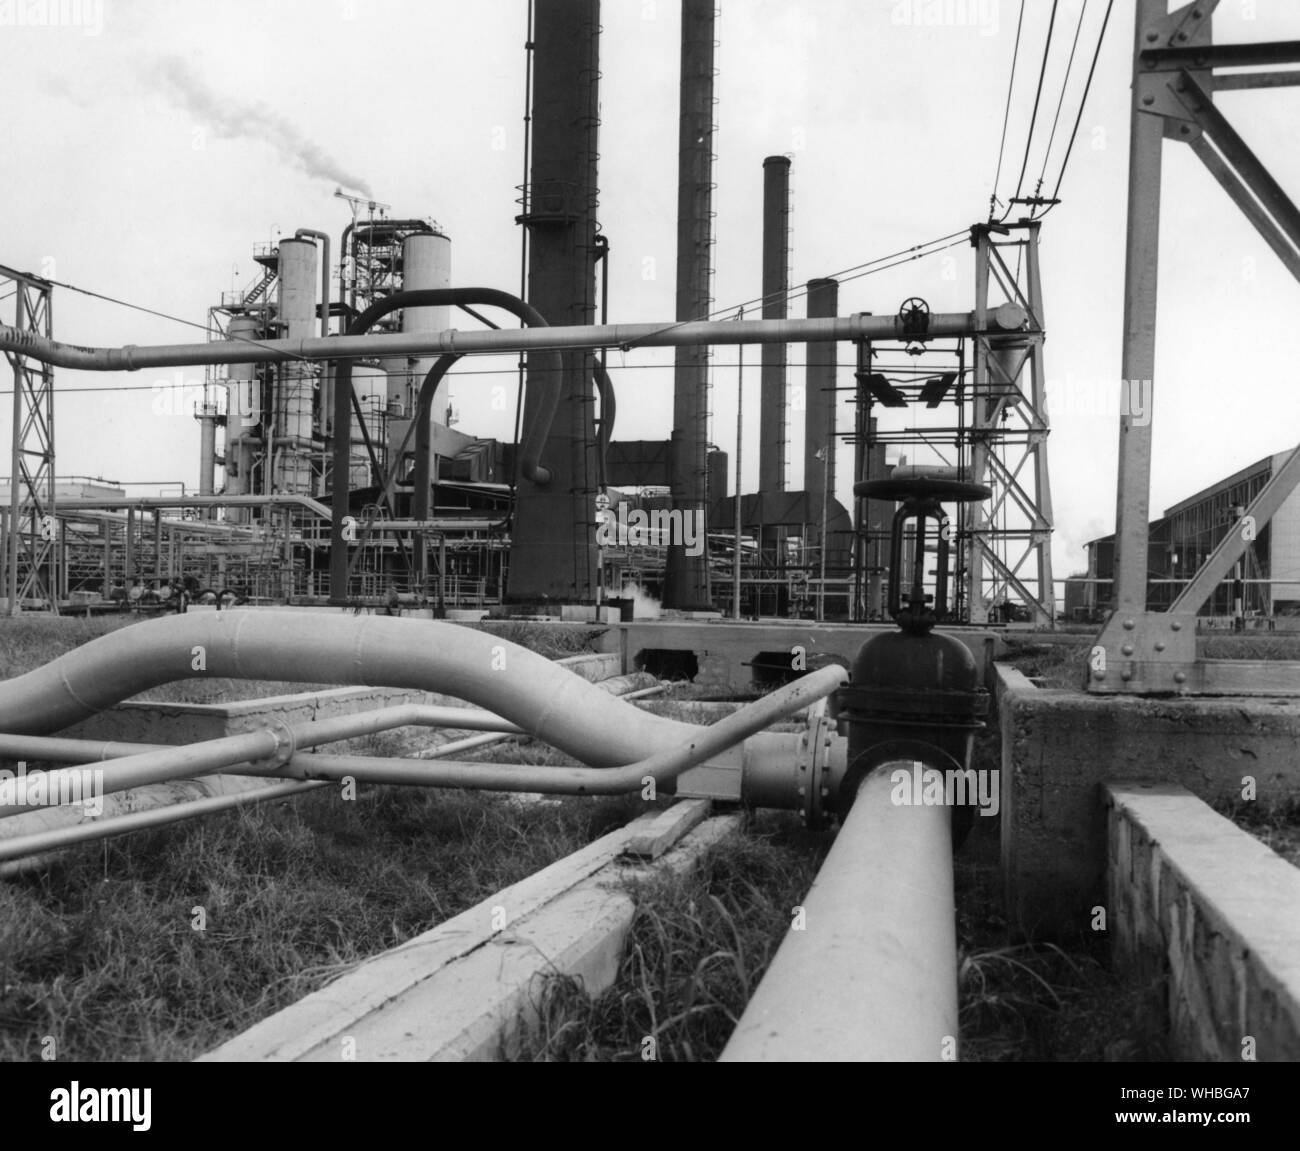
(872, 974)
(659, 334)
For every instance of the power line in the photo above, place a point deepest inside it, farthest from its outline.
(1006, 114)
(1065, 83)
(128, 304)
(1033, 118)
(1101, 36)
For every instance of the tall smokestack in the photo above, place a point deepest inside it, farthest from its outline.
(553, 539)
(819, 405)
(776, 287)
(686, 580)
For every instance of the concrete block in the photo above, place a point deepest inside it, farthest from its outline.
(1059, 747)
(459, 991)
(1205, 905)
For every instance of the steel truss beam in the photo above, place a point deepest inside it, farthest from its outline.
(1009, 417)
(30, 535)
(1174, 78)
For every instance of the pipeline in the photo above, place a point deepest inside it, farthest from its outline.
(170, 763)
(661, 334)
(527, 689)
(872, 975)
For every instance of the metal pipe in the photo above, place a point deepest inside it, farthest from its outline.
(546, 401)
(32, 848)
(86, 503)
(661, 334)
(871, 976)
(275, 745)
(663, 766)
(431, 655)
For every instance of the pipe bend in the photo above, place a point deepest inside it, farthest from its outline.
(428, 655)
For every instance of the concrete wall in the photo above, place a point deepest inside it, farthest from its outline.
(1059, 747)
(1201, 904)
(724, 649)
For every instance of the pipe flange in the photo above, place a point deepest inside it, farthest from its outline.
(819, 769)
(285, 745)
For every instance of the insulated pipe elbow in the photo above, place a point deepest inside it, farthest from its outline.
(527, 689)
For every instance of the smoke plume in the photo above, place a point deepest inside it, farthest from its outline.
(235, 119)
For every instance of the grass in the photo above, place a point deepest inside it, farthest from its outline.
(101, 952)
(1277, 825)
(699, 943)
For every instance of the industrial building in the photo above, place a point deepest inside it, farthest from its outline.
(348, 480)
(1268, 576)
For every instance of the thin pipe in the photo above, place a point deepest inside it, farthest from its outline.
(663, 766)
(276, 744)
(663, 334)
(871, 974)
(39, 843)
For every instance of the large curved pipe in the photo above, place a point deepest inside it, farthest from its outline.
(527, 689)
(423, 297)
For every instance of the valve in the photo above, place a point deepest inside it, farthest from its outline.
(914, 694)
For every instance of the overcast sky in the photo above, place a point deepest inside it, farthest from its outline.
(148, 146)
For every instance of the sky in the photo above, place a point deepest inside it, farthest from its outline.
(149, 145)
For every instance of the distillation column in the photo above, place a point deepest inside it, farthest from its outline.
(296, 315)
(553, 557)
(243, 415)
